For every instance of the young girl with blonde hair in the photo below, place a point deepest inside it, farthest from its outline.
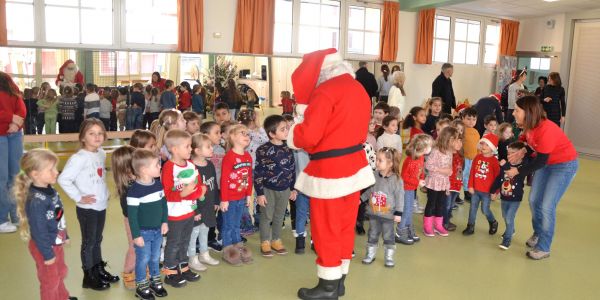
(42, 221)
(167, 120)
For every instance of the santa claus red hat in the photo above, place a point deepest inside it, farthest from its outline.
(491, 140)
(460, 107)
(497, 96)
(306, 76)
(61, 73)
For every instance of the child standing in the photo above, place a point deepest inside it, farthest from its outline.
(490, 123)
(483, 173)
(386, 201)
(414, 121)
(198, 96)
(49, 104)
(84, 180)
(105, 108)
(153, 105)
(91, 102)
(511, 192)
(67, 106)
(505, 138)
(380, 111)
(435, 109)
(185, 98)
(138, 105)
(236, 194)
(388, 134)
(167, 98)
(274, 178)
(252, 99)
(287, 103)
(147, 211)
(42, 221)
(470, 142)
(437, 181)
(202, 150)
(413, 176)
(168, 119)
(222, 113)
(192, 122)
(455, 181)
(182, 186)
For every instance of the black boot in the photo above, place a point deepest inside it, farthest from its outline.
(467, 196)
(326, 289)
(143, 291)
(91, 280)
(72, 298)
(341, 286)
(469, 230)
(104, 275)
(493, 227)
(300, 244)
(187, 273)
(157, 288)
(174, 278)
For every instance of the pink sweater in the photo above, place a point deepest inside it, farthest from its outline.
(435, 161)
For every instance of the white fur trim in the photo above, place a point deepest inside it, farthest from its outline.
(329, 273)
(345, 266)
(326, 188)
(489, 143)
(331, 59)
(290, 138)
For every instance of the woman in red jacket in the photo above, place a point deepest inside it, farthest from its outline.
(12, 116)
(554, 161)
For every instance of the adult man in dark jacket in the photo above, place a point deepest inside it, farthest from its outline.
(487, 106)
(442, 87)
(367, 79)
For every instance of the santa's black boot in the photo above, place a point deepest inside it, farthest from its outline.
(326, 289)
(341, 286)
(104, 275)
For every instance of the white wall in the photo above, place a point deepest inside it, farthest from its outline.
(533, 33)
(219, 16)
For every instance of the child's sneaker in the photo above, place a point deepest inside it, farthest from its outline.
(188, 274)
(143, 291)
(232, 256)
(532, 241)
(278, 247)
(195, 264)
(7, 227)
(174, 278)
(505, 244)
(157, 288)
(265, 249)
(493, 227)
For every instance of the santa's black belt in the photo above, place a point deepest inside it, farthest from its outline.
(335, 152)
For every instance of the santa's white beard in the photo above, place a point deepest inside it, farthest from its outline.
(69, 75)
(335, 70)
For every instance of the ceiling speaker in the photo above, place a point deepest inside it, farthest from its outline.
(550, 23)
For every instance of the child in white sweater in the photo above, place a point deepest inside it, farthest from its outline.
(388, 134)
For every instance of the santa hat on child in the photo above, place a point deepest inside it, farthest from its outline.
(497, 96)
(306, 76)
(491, 140)
(461, 107)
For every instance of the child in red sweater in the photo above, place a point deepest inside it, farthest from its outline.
(182, 186)
(484, 170)
(287, 102)
(413, 176)
(236, 192)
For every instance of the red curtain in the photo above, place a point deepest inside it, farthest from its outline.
(425, 25)
(254, 26)
(389, 31)
(509, 34)
(190, 25)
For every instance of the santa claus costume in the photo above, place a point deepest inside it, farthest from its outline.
(333, 119)
(69, 75)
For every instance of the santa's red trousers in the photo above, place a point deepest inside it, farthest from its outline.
(51, 277)
(332, 223)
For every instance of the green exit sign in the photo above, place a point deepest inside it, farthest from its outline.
(547, 48)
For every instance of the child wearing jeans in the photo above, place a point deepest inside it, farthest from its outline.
(484, 171)
(84, 180)
(202, 150)
(147, 214)
(274, 178)
(182, 186)
(413, 176)
(42, 221)
(511, 192)
(437, 181)
(236, 195)
(386, 201)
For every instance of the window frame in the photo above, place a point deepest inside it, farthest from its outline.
(351, 55)
(467, 42)
(484, 21)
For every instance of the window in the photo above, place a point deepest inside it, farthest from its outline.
(492, 42)
(319, 25)
(16, 12)
(282, 40)
(538, 63)
(466, 42)
(151, 22)
(441, 38)
(79, 21)
(364, 26)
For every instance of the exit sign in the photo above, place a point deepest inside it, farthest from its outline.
(547, 48)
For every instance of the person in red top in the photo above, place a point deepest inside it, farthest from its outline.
(287, 103)
(484, 170)
(158, 82)
(413, 176)
(185, 98)
(236, 194)
(555, 165)
(12, 117)
(415, 120)
(456, 182)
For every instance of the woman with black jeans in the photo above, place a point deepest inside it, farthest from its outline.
(552, 98)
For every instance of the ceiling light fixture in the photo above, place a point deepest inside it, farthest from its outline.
(551, 0)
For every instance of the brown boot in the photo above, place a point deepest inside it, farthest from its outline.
(277, 246)
(231, 255)
(265, 249)
(129, 280)
(245, 253)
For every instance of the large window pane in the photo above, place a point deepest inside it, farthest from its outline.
(371, 43)
(17, 61)
(282, 41)
(330, 14)
(17, 30)
(62, 2)
(460, 30)
(355, 41)
(283, 11)
(309, 13)
(62, 25)
(544, 64)
(97, 3)
(473, 34)
(151, 22)
(491, 54)
(460, 50)
(356, 18)
(472, 54)
(96, 26)
(442, 27)
(440, 50)
(329, 38)
(492, 34)
(373, 19)
(535, 63)
(307, 34)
